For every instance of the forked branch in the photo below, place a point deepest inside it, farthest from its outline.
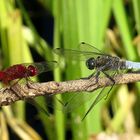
(31, 90)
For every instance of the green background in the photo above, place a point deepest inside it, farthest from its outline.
(112, 26)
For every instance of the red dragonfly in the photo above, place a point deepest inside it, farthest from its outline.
(25, 70)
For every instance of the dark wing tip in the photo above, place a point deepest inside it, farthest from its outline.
(57, 50)
(82, 42)
(54, 61)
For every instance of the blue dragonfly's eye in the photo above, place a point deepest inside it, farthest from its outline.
(90, 63)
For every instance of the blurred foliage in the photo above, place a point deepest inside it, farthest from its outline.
(28, 32)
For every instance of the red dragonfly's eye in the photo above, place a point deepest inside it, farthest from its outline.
(1, 75)
(32, 70)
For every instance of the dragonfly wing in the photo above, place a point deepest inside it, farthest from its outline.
(72, 101)
(100, 96)
(85, 52)
(103, 93)
(89, 48)
(70, 54)
(38, 106)
(45, 66)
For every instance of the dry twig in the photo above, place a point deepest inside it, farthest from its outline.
(8, 96)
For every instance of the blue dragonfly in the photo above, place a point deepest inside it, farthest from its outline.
(100, 64)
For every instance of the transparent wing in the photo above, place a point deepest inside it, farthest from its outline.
(85, 51)
(89, 48)
(72, 101)
(38, 106)
(43, 66)
(103, 93)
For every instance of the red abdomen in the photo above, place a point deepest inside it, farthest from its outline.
(14, 72)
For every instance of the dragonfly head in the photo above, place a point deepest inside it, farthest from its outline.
(32, 71)
(90, 63)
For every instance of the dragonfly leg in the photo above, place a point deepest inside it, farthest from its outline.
(86, 78)
(20, 96)
(100, 95)
(112, 80)
(96, 75)
(97, 99)
(30, 83)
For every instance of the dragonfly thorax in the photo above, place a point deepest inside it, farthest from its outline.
(91, 63)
